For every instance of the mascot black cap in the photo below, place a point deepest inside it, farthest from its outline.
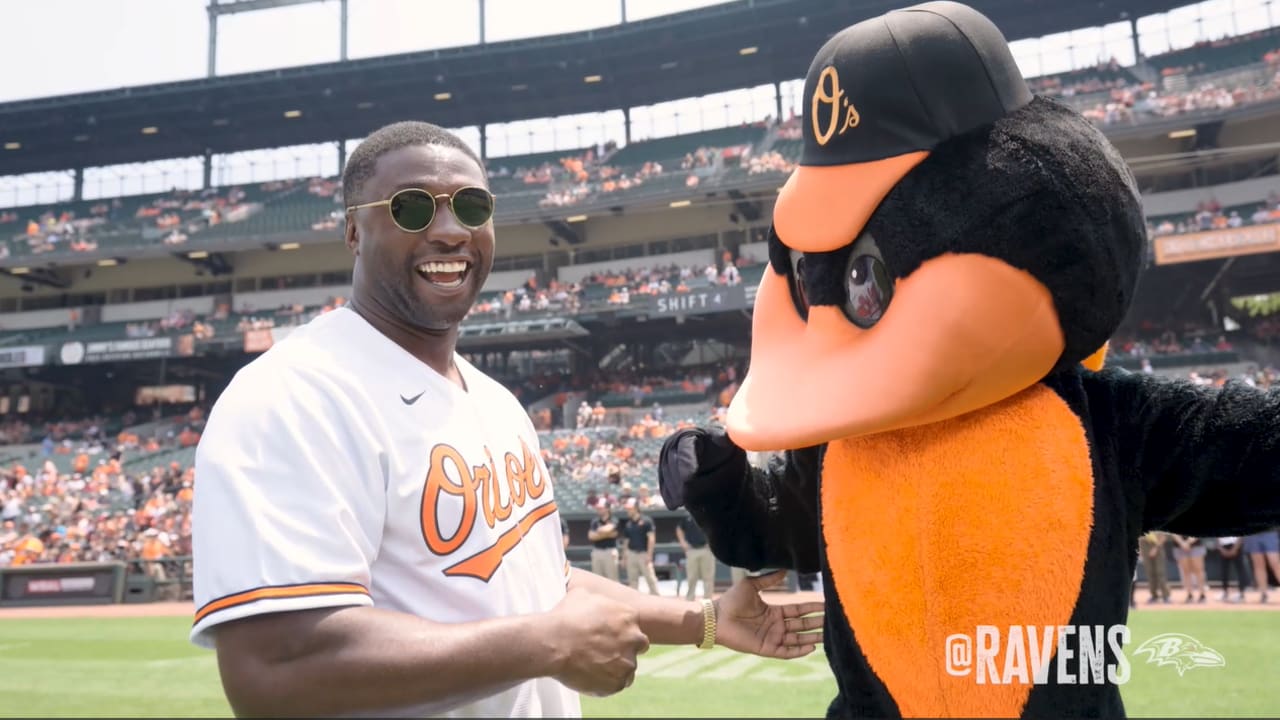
(947, 241)
(879, 94)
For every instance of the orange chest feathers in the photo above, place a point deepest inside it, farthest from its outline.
(980, 520)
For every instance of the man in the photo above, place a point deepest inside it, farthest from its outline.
(641, 538)
(1155, 564)
(374, 528)
(603, 536)
(699, 563)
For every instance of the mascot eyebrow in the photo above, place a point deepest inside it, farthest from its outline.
(932, 457)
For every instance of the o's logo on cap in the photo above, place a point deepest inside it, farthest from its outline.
(833, 98)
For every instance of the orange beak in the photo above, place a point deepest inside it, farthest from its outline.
(961, 333)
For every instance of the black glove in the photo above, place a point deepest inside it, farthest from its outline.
(694, 461)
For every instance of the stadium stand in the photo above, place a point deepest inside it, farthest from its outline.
(100, 478)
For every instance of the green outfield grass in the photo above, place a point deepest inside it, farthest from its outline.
(144, 667)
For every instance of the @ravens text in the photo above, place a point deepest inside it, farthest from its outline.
(1030, 654)
(1067, 654)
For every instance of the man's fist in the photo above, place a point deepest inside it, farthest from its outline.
(600, 638)
(693, 460)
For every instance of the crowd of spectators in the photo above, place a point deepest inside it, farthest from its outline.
(172, 217)
(577, 176)
(79, 504)
(623, 286)
(1105, 76)
(1210, 215)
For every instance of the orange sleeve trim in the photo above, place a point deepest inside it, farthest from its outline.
(278, 592)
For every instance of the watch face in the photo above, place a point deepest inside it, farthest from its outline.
(72, 353)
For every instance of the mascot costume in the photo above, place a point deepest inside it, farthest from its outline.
(946, 266)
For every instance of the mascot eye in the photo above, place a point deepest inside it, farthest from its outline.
(869, 286)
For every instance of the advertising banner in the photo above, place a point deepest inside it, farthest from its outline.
(718, 298)
(62, 584)
(1189, 247)
(28, 356)
(76, 352)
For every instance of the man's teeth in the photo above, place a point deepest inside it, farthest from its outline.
(443, 267)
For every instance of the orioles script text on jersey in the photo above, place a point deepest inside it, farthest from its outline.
(479, 487)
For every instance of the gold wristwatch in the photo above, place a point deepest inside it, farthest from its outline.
(708, 625)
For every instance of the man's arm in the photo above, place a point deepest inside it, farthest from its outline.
(744, 621)
(1198, 461)
(653, 540)
(753, 518)
(328, 662)
(665, 621)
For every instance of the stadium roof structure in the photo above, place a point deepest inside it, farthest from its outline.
(734, 45)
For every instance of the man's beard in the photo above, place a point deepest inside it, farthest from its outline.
(427, 316)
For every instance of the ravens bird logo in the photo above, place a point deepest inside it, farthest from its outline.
(1181, 651)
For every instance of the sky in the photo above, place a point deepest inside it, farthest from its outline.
(71, 46)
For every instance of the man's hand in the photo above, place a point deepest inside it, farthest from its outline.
(746, 623)
(598, 640)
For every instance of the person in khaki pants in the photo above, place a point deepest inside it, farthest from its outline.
(1155, 565)
(603, 536)
(699, 563)
(641, 538)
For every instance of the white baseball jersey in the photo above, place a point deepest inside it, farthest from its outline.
(337, 469)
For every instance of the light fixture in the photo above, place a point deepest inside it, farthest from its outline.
(150, 130)
(592, 79)
(13, 146)
(197, 254)
(290, 246)
(293, 113)
(1182, 134)
(81, 138)
(681, 203)
(749, 50)
(364, 105)
(519, 88)
(221, 122)
(443, 96)
(108, 262)
(669, 65)
(576, 218)
(20, 270)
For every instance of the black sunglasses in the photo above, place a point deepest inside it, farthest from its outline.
(413, 209)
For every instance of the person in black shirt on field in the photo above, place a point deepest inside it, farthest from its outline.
(640, 534)
(604, 542)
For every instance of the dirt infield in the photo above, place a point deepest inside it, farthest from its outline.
(186, 609)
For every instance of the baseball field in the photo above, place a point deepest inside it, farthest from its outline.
(137, 662)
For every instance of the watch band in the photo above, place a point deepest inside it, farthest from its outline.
(708, 625)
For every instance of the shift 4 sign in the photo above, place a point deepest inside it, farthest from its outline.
(702, 300)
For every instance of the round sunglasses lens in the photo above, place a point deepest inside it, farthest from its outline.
(473, 207)
(413, 210)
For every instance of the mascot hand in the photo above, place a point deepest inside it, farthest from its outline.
(698, 461)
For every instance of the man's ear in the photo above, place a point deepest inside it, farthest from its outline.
(351, 237)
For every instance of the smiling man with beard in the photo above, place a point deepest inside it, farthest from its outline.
(375, 532)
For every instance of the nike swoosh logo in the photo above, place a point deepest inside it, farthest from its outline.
(412, 400)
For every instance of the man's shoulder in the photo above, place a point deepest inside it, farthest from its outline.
(292, 380)
(312, 353)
